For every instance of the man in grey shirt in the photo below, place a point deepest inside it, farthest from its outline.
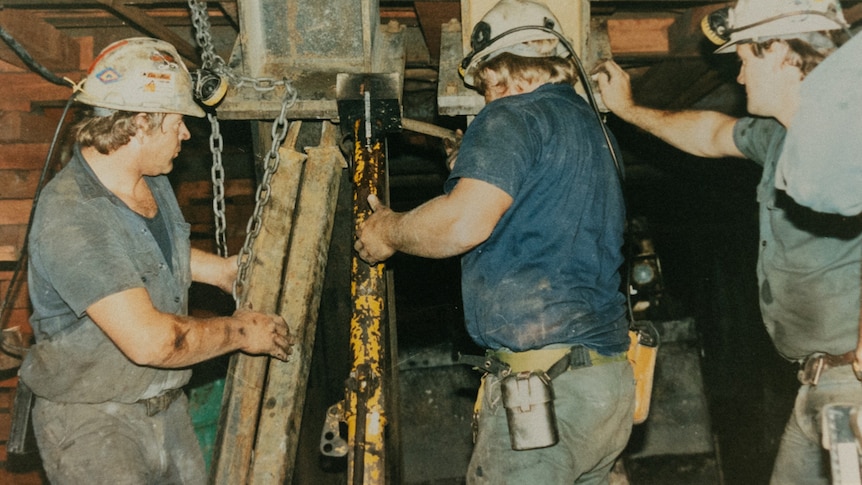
(809, 264)
(109, 272)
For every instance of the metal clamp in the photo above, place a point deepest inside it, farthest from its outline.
(489, 364)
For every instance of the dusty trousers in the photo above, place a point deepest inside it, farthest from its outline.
(116, 443)
(801, 459)
(594, 408)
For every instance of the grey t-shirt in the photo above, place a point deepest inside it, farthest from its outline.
(85, 245)
(809, 265)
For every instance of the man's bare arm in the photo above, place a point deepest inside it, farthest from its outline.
(214, 270)
(703, 133)
(445, 226)
(153, 338)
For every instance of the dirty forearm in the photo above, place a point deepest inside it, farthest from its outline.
(150, 337)
(431, 231)
(190, 340)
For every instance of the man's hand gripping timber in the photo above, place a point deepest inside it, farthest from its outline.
(263, 334)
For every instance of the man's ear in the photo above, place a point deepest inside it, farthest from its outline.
(786, 57)
(494, 87)
(780, 49)
(142, 123)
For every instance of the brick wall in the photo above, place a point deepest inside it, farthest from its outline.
(30, 110)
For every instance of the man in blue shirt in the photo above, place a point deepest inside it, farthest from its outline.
(810, 264)
(109, 271)
(534, 204)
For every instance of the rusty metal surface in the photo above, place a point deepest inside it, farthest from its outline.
(366, 409)
(281, 35)
(308, 43)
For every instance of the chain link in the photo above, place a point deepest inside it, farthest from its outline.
(217, 172)
(264, 192)
(213, 62)
(201, 22)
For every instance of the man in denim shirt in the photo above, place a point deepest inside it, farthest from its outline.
(810, 263)
(109, 272)
(535, 206)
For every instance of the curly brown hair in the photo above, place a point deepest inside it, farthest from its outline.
(807, 51)
(513, 70)
(108, 133)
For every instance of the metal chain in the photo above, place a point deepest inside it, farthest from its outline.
(264, 191)
(213, 62)
(217, 172)
(201, 23)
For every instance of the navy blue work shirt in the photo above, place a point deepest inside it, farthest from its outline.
(550, 271)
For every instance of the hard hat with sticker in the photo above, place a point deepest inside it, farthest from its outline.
(142, 75)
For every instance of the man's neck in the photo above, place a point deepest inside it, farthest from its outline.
(117, 172)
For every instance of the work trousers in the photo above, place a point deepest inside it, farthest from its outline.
(117, 444)
(801, 459)
(594, 408)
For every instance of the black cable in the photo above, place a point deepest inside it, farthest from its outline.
(19, 265)
(31, 63)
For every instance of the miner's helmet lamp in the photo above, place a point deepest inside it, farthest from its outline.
(140, 75)
(756, 20)
(510, 26)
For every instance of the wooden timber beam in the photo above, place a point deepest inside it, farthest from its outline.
(680, 69)
(284, 398)
(639, 33)
(132, 11)
(432, 15)
(261, 415)
(246, 377)
(152, 28)
(231, 11)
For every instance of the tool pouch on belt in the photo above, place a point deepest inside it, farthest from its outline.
(642, 353)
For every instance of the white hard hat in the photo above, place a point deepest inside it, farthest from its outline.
(140, 75)
(756, 20)
(507, 27)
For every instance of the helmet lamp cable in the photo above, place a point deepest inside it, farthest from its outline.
(19, 50)
(582, 74)
(19, 264)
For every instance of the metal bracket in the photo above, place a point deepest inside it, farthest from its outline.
(331, 441)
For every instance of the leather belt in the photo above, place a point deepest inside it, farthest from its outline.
(815, 364)
(157, 404)
(555, 361)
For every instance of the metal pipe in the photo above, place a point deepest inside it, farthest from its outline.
(365, 411)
